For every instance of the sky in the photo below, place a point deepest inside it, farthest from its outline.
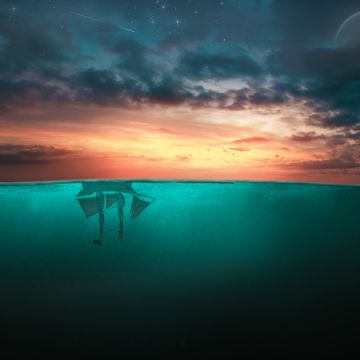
(180, 89)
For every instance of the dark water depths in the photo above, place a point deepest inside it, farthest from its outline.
(207, 268)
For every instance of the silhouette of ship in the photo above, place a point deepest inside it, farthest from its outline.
(96, 197)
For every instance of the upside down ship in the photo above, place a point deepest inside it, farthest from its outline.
(96, 197)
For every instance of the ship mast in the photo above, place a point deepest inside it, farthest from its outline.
(120, 206)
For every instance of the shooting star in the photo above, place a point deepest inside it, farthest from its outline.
(97, 20)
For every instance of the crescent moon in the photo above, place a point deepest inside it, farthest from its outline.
(343, 25)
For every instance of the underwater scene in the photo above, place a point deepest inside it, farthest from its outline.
(177, 268)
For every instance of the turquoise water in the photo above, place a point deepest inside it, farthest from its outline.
(207, 267)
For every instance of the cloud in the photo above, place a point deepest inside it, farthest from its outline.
(166, 131)
(239, 149)
(183, 158)
(199, 66)
(345, 161)
(101, 87)
(330, 164)
(14, 154)
(252, 139)
(28, 93)
(307, 137)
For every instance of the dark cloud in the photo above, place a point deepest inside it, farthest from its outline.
(28, 92)
(198, 66)
(320, 62)
(13, 154)
(328, 164)
(307, 137)
(168, 92)
(133, 58)
(100, 87)
(340, 161)
(328, 79)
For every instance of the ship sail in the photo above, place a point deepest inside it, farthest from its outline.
(98, 203)
(111, 199)
(92, 205)
(138, 206)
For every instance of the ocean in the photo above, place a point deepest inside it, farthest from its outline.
(206, 268)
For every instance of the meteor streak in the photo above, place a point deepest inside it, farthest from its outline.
(93, 19)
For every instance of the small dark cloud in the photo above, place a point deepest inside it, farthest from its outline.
(154, 159)
(166, 131)
(183, 158)
(13, 154)
(253, 139)
(307, 137)
(239, 149)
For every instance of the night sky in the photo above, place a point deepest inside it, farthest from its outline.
(206, 89)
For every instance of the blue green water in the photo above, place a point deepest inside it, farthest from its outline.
(207, 267)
